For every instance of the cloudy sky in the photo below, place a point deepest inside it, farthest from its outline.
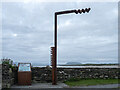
(28, 29)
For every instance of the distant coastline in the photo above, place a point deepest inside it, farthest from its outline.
(88, 65)
(104, 66)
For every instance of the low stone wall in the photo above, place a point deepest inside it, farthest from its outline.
(0, 76)
(9, 76)
(45, 74)
(41, 74)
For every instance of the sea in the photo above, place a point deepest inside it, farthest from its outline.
(105, 66)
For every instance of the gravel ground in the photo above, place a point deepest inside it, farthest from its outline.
(62, 85)
(42, 85)
(99, 86)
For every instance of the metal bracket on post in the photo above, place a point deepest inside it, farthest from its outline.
(53, 65)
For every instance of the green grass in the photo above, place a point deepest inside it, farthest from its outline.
(87, 82)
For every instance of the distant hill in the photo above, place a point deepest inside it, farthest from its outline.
(71, 64)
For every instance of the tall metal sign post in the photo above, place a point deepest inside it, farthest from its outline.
(54, 49)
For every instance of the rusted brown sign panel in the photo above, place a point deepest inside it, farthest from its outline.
(24, 74)
(24, 78)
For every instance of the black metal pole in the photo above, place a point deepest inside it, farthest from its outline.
(55, 68)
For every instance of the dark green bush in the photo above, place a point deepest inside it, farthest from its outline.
(7, 62)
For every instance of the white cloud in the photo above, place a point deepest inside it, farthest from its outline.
(80, 37)
(15, 35)
(27, 1)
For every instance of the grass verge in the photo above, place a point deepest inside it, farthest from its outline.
(87, 82)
